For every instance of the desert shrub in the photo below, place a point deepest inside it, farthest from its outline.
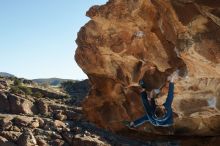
(26, 90)
(25, 81)
(38, 94)
(15, 90)
(18, 89)
(17, 82)
(67, 85)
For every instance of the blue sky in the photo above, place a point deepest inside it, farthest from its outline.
(37, 37)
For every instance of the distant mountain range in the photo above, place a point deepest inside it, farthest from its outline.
(49, 81)
(4, 74)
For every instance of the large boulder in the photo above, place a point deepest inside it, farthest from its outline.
(19, 105)
(126, 41)
(42, 106)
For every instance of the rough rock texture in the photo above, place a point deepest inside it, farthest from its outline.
(125, 39)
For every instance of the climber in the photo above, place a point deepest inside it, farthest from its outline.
(157, 115)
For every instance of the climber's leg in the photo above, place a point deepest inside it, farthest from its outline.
(148, 108)
(140, 121)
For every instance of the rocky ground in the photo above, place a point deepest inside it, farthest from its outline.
(41, 118)
(51, 119)
(55, 119)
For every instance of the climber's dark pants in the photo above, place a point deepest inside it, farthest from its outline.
(150, 107)
(141, 121)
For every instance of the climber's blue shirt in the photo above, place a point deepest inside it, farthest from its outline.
(166, 120)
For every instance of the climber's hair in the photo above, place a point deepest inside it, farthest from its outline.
(144, 85)
(160, 111)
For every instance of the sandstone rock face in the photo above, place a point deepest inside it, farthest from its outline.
(124, 40)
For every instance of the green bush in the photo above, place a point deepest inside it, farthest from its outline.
(67, 85)
(15, 90)
(21, 89)
(38, 94)
(17, 82)
(26, 90)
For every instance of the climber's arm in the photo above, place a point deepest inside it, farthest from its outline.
(153, 104)
(169, 99)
